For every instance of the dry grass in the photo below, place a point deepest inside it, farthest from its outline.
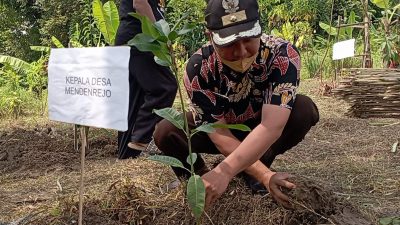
(348, 156)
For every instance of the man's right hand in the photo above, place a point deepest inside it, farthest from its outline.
(273, 182)
(215, 183)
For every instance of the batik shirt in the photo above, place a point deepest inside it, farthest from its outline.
(217, 92)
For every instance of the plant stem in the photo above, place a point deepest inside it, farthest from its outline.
(187, 131)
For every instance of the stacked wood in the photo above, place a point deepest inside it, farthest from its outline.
(371, 92)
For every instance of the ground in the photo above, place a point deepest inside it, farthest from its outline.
(345, 169)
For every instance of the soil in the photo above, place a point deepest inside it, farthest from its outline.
(344, 170)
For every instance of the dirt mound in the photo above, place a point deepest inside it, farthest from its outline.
(314, 204)
(125, 203)
(48, 148)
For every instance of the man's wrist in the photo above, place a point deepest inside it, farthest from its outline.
(267, 176)
(225, 170)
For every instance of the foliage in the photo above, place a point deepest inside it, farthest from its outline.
(292, 20)
(296, 34)
(383, 4)
(194, 9)
(21, 79)
(312, 62)
(14, 97)
(395, 220)
(86, 33)
(57, 19)
(18, 29)
(17, 64)
(158, 38)
(341, 33)
(305, 23)
(389, 39)
(107, 19)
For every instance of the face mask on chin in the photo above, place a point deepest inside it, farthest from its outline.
(241, 65)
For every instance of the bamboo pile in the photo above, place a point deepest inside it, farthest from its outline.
(371, 92)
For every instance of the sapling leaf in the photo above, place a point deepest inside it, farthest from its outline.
(161, 62)
(172, 115)
(145, 43)
(163, 53)
(148, 26)
(196, 194)
(173, 35)
(194, 158)
(163, 27)
(386, 221)
(210, 127)
(168, 160)
(240, 127)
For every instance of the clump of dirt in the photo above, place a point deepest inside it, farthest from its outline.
(314, 204)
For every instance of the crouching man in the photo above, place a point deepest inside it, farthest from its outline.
(241, 77)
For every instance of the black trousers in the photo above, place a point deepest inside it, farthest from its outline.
(172, 141)
(151, 87)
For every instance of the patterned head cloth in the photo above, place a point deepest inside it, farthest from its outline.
(232, 20)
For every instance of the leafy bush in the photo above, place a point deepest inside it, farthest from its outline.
(195, 13)
(15, 100)
(311, 62)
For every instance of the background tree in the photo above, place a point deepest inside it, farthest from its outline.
(58, 19)
(19, 29)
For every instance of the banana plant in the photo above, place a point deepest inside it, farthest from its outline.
(344, 33)
(18, 65)
(160, 38)
(390, 40)
(297, 33)
(107, 19)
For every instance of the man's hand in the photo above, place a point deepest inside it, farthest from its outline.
(143, 8)
(274, 181)
(215, 183)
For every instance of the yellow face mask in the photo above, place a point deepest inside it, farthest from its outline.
(241, 65)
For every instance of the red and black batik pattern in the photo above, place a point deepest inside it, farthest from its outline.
(216, 92)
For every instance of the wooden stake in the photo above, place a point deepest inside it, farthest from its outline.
(83, 150)
(337, 40)
(76, 137)
(367, 60)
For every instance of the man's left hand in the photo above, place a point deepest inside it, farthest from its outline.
(274, 182)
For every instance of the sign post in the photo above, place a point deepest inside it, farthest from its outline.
(89, 87)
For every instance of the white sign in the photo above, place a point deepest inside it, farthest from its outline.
(343, 49)
(90, 86)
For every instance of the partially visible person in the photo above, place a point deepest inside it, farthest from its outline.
(241, 77)
(151, 86)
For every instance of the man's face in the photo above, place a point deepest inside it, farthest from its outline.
(239, 50)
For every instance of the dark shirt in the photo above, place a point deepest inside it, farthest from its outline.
(217, 92)
(130, 26)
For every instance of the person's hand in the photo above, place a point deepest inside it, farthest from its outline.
(215, 183)
(274, 182)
